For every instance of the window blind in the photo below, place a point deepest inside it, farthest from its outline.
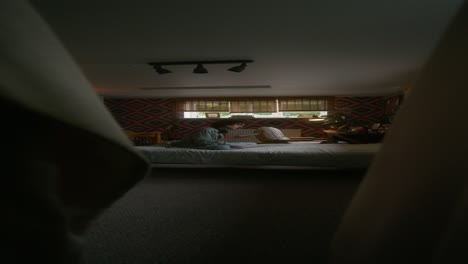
(290, 104)
(253, 105)
(202, 105)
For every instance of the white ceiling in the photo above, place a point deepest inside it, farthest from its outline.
(341, 47)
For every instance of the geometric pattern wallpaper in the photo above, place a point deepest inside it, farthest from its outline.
(365, 109)
(142, 115)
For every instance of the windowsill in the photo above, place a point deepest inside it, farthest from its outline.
(298, 118)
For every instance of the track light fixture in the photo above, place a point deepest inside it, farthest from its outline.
(160, 69)
(199, 68)
(238, 68)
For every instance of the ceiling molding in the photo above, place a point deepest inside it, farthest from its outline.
(208, 87)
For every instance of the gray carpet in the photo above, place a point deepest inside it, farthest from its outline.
(195, 216)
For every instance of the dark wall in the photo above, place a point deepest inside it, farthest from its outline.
(141, 115)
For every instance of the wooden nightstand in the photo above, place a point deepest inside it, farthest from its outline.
(334, 136)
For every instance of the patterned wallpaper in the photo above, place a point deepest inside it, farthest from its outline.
(141, 115)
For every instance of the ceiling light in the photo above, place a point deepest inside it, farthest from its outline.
(217, 87)
(200, 69)
(238, 68)
(160, 69)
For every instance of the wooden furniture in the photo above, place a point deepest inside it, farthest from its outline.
(334, 136)
(145, 138)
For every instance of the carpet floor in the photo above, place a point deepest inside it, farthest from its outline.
(206, 216)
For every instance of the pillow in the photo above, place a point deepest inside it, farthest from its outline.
(270, 135)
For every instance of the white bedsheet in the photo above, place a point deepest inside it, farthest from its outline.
(341, 156)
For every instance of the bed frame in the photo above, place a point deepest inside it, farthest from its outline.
(144, 138)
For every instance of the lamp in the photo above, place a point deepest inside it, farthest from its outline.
(200, 68)
(160, 69)
(238, 68)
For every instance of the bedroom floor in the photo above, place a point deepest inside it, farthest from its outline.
(207, 216)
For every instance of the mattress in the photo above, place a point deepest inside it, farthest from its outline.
(297, 154)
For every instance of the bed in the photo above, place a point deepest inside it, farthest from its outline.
(297, 154)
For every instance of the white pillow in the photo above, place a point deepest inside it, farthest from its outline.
(270, 135)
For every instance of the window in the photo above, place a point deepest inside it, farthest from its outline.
(253, 105)
(212, 115)
(291, 104)
(203, 105)
(262, 107)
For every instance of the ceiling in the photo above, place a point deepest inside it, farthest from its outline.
(341, 47)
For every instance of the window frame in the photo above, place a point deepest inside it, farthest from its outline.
(301, 104)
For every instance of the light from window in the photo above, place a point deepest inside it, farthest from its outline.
(305, 114)
(285, 107)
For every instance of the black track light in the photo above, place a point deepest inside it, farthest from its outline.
(160, 69)
(200, 69)
(238, 68)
